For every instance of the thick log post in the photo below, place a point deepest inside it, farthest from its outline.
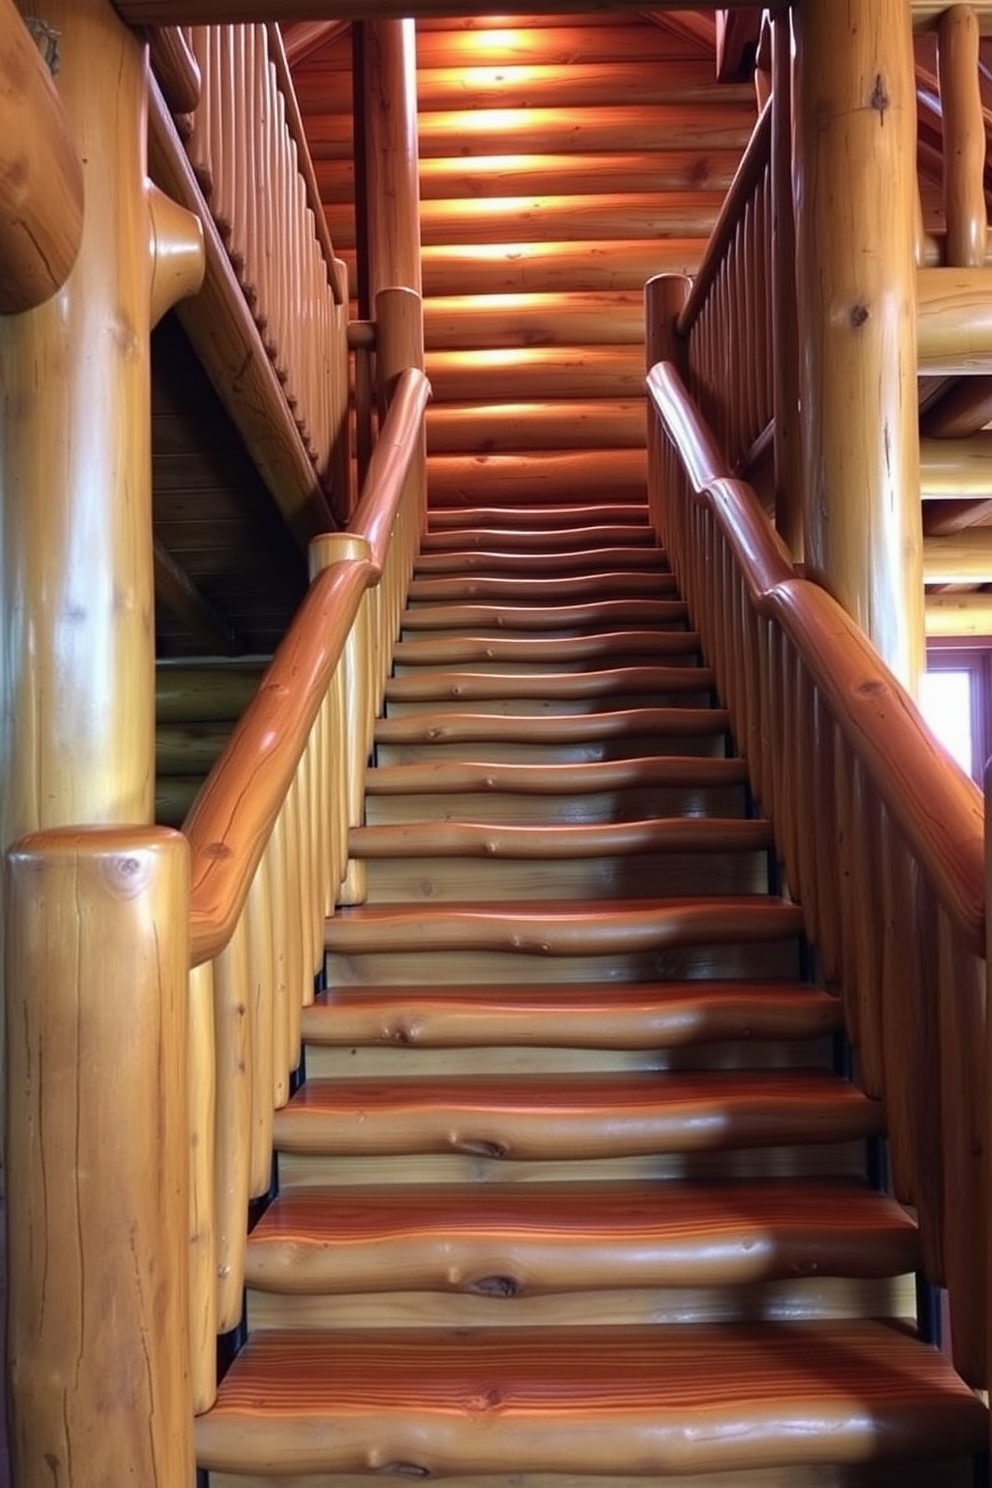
(855, 184)
(964, 137)
(389, 61)
(664, 300)
(785, 360)
(97, 961)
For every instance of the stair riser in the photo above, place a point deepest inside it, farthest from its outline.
(506, 808)
(444, 880)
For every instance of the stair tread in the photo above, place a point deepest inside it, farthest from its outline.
(483, 840)
(534, 590)
(441, 518)
(563, 927)
(544, 563)
(587, 1015)
(605, 1400)
(574, 1116)
(453, 776)
(431, 685)
(530, 649)
(519, 616)
(512, 1239)
(614, 724)
(507, 536)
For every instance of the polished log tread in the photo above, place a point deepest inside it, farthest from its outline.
(480, 840)
(540, 517)
(605, 584)
(641, 1401)
(516, 1118)
(532, 540)
(481, 777)
(559, 617)
(641, 559)
(469, 687)
(540, 651)
(531, 1239)
(602, 1015)
(624, 723)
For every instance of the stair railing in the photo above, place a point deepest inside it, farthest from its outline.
(880, 834)
(157, 981)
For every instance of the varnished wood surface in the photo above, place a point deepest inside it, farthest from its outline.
(560, 929)
(571, 516)
(535, 541)
(577, 1116)
(559, 617)
(609, 775)
(659, 1015)
(626, 1400)
(530, 591)
(471, 839)
(517, 1241)
(556, 651)
(633, 723)
(475, 687)
(611, 556)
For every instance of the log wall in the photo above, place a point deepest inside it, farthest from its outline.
(545, 205)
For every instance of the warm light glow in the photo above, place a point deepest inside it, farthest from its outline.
(485, 121)
(492, 41)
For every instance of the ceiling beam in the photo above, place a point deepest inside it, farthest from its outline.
(737, 33)
(958, 615)
(959, 558)
(209, 12)
(690, 25)
(187, 602)
(306, 37)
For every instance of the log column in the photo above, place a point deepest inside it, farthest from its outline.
(855, 188)
(389, 84)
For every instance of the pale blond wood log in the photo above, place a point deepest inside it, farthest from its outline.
(956, 469)
(232, 1122)
(178, 258)
(97, 1156)
(954, 320)
(965, 212)
(261, 932)
(201, 1078)
(399, 338)
(392, 193)
(41, 196)
(961, 558)
(959, 614)
(855, 140)
(400, 443)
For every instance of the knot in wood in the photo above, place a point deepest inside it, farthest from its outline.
(859, 314)
(879, 99)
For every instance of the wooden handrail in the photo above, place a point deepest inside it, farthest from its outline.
(230, 822)
(937, 811)
(755, 160)
(391, 461)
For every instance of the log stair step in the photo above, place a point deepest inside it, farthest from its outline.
(573, 1117)
(505, 538)
(543, 564)
(599, 840)
(467, 687)
(638, 1401)
(596, 1015)
(537, 591)
(561, 928)
(538, 517)
(482, 778)
(631, 723)
(542, 651)
(575, 619)
(531, 1239)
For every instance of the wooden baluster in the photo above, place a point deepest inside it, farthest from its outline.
(866, 905)
(301, 798)
(202, 1086)
(240, 179)
(280, 279)
(785, 336)
(910, 1043)
(965, 212)
(826, 841)
(98, 1160)
(963, 1086)
(261, 991)
(198, 145)
(262, 187)
(249, 193)
(232, 1030)
(801, 737)
(284, 1057)
(220, 198)
(299, 982)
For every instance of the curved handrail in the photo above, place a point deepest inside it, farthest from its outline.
(231, 819)
(937, 811)
(390, 464)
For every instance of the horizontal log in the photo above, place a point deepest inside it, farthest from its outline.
(524, 219)
(958, 615)
(544, 519)
(188, 749)
(216, 12)
(964, 407)
(176, 590)
(461, 322)
(523, 843)
(504, 428)
(41, 177)
(941, 518)
(956, 468)
(615, 728)
(542, 268)
(954, 320)
(456, 480)
(534, 371)
(620, 40)
(961, 558)
(207, 694)
(612, 126)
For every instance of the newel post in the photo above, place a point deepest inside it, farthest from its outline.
(388, 85)
(855, 190)
(97, 965)
(664, 299)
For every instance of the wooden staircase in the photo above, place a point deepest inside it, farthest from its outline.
(576, 1183)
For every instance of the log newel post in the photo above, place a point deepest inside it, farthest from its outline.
(785, 351)
(97, 967)
(855, 185)
(965, 212)
(664, 299)
(392, 191)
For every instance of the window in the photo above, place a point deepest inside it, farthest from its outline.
(956, 701)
